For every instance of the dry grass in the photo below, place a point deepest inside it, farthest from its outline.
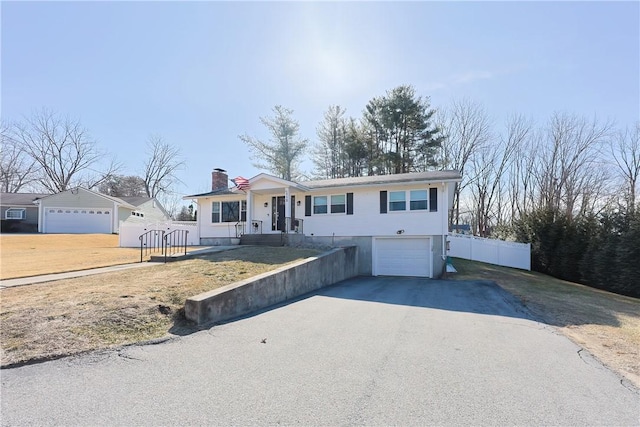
(94, 312)
(606, 324)
(24, 255)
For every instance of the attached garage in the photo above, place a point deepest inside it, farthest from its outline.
(78, 220)
(402, 256)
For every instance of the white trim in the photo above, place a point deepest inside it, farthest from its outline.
(23, 213)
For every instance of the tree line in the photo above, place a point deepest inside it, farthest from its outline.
(50, 153)
(567, 186)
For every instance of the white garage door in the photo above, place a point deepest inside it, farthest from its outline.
(408, 256)
(75, 220)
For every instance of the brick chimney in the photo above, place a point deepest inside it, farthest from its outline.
(219, 179)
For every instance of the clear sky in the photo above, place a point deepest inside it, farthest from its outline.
(201, 73)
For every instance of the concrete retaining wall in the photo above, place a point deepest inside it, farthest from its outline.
(247, 296)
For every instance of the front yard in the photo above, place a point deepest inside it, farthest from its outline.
(24, 255)
(71, 316)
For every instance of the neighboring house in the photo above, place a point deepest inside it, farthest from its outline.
(18, 212)
(398, 222)
(148, 210)
(84, 211)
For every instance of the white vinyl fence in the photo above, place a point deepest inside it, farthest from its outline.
(491, 251)
(130, 232)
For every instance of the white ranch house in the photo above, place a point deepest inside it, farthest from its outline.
(398, 222)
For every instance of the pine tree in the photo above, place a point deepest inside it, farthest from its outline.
(283, 153)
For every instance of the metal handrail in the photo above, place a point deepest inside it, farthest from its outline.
(151, 241)
(240, 229)
(293, 224)
(175, 239)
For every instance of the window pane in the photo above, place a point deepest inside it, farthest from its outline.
(320, 205)
(418, 200)
(397, 196)
(230, 211)
(215, 212)
(397, 201)
(338, 204)
(14, 214)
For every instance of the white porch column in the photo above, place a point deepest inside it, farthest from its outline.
(249, 225)
(287, 208)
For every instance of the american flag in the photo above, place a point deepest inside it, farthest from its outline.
(241, 183)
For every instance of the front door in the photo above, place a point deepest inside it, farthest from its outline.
(278, 215)
(278, 219)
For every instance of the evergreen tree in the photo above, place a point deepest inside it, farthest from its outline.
(282, 154)
(330, 153)
(402, 135)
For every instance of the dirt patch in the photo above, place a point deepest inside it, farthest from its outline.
(95, 312)
(24, 255)
(604, 323)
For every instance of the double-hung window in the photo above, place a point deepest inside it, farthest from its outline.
(338, 203)
(418, 200)
(320, 204)
(397, 201)
(215, 212)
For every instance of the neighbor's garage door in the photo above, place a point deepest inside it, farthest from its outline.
(74, 220)
(407, 256)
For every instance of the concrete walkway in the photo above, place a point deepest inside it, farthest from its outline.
(22, 281)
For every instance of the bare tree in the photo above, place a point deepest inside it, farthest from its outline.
(625, 149)
(467, 130)
(521, 188)
(489, 167)
(564, 172)
(121, 185)
(17, 169)
(161, 166)
(171, 202)
(65, 154)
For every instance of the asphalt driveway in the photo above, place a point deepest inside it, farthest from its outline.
(368, 351)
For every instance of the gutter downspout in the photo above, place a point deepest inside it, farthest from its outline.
(445, 228)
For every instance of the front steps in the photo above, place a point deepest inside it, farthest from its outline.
(263, 239)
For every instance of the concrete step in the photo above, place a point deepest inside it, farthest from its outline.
(262, 239)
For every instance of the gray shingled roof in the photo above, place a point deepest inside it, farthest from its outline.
(19, 199)
(212, 193)
(135, 200)
(385, 179)
(430, 176)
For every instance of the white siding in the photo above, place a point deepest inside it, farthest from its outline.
(367, 219)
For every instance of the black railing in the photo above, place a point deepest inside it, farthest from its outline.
(175, 242)
(240, 229)
(151, 242)
(294, 225)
